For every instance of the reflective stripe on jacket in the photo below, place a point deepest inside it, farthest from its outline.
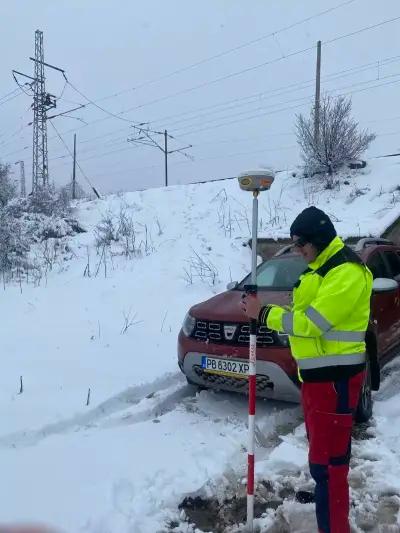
(330, 314)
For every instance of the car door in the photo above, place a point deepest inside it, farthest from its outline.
(383, 305)
(392, 260)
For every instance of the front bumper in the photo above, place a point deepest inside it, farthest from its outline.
(272, 381)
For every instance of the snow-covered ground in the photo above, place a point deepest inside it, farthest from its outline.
(146, 440)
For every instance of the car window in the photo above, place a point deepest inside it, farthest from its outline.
(394, 263)
(377, 266)
(281, 273)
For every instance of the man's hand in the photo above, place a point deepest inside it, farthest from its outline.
(251, 305)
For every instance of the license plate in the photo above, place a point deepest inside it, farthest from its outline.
(224, 367)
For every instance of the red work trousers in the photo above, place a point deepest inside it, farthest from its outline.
(328, 413)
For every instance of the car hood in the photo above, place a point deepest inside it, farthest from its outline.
(225, 306)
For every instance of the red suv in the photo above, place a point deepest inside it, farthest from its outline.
(213, 343)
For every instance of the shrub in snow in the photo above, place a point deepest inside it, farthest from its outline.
(40, 226)
(14, 244)
(120, 231)
(339, 139)
(33, 235)
(8, 189)
(50, 228)
(198, 267)
(106, 231)
(48, 201)
(127, 233)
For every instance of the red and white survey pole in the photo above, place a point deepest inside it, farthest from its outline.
(256, 182)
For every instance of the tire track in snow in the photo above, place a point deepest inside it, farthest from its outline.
(156, 405)
(130, 397)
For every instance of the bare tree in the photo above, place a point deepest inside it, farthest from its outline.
(338, 141)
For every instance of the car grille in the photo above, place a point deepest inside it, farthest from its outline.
(231, 333)
(239, 383)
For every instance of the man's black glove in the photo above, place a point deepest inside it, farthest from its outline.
(263, 314)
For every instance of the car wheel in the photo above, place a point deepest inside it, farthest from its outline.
(365, 403)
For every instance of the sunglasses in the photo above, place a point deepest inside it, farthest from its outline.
(300, 243)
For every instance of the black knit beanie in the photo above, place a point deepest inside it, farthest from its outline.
(314, 226)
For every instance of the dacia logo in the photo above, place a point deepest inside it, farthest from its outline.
(229, 331)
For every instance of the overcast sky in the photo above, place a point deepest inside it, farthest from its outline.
(246, 120)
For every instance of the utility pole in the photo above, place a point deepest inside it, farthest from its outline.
(166, 156)
(74, 171)
(22, 178)
(317, 94)
(42, 102)
(145, 137)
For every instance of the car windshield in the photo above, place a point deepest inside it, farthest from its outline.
(278, 274)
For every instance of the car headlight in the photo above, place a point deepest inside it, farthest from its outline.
(282, 339)
(188, 325)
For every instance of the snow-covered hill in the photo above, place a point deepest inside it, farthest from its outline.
(107, 320)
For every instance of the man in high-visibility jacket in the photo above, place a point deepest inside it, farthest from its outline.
(326, 327)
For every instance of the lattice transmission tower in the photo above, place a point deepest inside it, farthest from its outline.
(42, 102)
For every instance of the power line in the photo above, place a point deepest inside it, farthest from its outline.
(212, 127)
(388, 134)
(237, 154)
(120, 141)
(258, 115)
(232, 74)
(243, 139)
(335, 39)
(104, 154)
(17, 151)
(14, 134)
(383, 119)
(276, 149)
(135, 169)
(228, 51)
(255, 67)
(63, 89)
(114, 115)
(277, 91)
(237, 73)
(11, 97)
(304, 99)
(253, 152)
(9, 94)
(91, 139)
(299, 103)
(222, 141)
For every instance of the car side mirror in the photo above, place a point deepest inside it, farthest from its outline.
(232, 285)
(384, 285)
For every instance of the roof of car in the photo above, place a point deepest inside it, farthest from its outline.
(366, 243)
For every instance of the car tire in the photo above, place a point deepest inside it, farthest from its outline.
(365, 402)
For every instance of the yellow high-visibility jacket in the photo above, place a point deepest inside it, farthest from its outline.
(330, 313)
